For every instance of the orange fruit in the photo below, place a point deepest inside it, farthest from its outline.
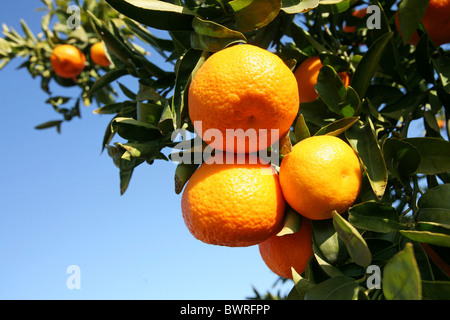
(319, 175)
(243, 91)
(281, 253)
(235, 205)
(361, 13)
(441, 123)
(306, 75)
(67, 61)
(98, 55)
(436, 21)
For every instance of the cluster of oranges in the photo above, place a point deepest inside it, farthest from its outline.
(243, 203)
(68, 61)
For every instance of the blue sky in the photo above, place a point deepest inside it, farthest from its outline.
(61, 206)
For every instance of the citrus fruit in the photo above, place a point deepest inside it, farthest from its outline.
(281, 253)
(319, 175)
(242, 93)
(306, 75)
(361, 13)
(436, 21)
(67, 61)
(98, 54)
(235, 205)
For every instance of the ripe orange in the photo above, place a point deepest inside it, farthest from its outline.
(98, 55)
(306, 75)
(436, 21)
(361, 13)
(243, 89)
(319, 175)
(281, 253)
(233, 205)
(67, 61)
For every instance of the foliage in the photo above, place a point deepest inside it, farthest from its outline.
(403, 203)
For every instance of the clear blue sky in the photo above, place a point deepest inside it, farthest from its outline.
(61, 206)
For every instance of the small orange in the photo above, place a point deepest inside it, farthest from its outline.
(98, 55)
(319, 175)
(436, 21)
(243, 89)
(281, 253)
(67, 61)
(306, 75)
(361, 13)
(232, 204)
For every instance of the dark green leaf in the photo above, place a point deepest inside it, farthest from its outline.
(439, 239)
(330, 88)
(369, 63)
(401, 157)
(435, 290)
(410, 14)
(50, 124)
(301, 130)
(327, 243)
(156, 14)
(355, 243)
(434, 154)
(106, 79)
(132, 129)
(254, 14)
(375, 216)
(401, 277)
(337, 127)
(362, 139)
(183, 173)
(337, 288)
(211, 36)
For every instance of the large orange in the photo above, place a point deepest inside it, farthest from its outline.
(319, 175)
(67, 61)
(98, 54)
(281, 253)
(246, 90)
(436, 21)
(306, 75)
(233, 205)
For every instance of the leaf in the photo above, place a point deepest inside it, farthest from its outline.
(355, 243)
(155, 14)
(327, 243)
(330, 88)
(183, 173)
(301, 130)
(439, 239)
(292, 222)
(351, 106)
(434, 154)
(401, 277)
(436, 198)
(254, 14)
(298, 6)
(106, 79)
(410, 15)
(337, 127)
(211, 36)
(401, 157)
(375, 216)
(442, 65)
(435, 290)
(337, 288)
(132, 129)
(50, 124)
(368, 64)
(362, 139)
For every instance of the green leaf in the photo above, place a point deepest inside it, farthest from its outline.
(369, 63)
(183, 173)
(401, 277)
(254, 14)
(362, 138)
(292, 222)
(140, 150)
(337, 127)
(434, 154)
(156, 14)
(375, 216)
(439, 239)
(301, 130)
(435, 290)
(115, 107)
(330, 88)
(337, 288)
(50, 124)
(355, 243)
(351, 106)
(106, 79)
(211, 36)
(132, 129)
(327, 243)
(436, 198)
(401, 157)
(298, 6)
(410, 14)
(442, 65)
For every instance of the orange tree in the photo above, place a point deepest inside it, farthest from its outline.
(393, 241)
